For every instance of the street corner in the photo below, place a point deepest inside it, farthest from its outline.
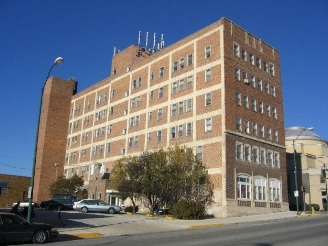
(193, 227)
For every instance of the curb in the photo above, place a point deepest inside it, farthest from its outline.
(204, 226)
(87, 235)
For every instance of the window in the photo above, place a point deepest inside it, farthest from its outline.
(137, 120)
(238, 124)
(255, 155)
(271, 69)
(254, 129)
(208, 99)
(189, 81)
(125, 112)
(275, 190)
(108, 147)
(148, 137)
(268, 110)
(274, 113)
(207, 51)
(136, 141)
(189, 105)
(259, 189)
(244, 55)
(151, 95)
(253, 83)
(124, 131)
(161, 72)
(254, 104)
(111, 110)
(173, 109)
(173, 132)
(269, 134)
(245, 76)
(134, 84)
(237, 73)
(270, 158)
(258, 62)
(236, 49)
(265, 66)
(151, 75)
(261, 107)
(243, 189)
(159, 114)
(238, 98)
(208, 124)
(160, 92)
(273, 91)
(150, 115)
(189, 58)
(126, 93)
(181, 63)
(247, 153)
(180, 131)
(189, 129)
(175, 66)
(208, 75)
(99, 99)
(276, 160)
(122, 151)
(110, 129)
(159, 136)
(246, 125)
(112, 95)
(251, 59)
(246, 104)
(275, 136)
(267, 88)
(262, 131)
(239, 151)
(199, 153)
(262, 156)
(181, 84)
(174, 87)
(180, 110)
(259, 85)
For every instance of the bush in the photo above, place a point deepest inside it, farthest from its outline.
(188, 210)
(315, 206)
(130, 209)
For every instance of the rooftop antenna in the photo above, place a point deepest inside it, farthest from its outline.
(139, 39)
(146, 39)
(154, 40)
(162, 41)
(114, 51)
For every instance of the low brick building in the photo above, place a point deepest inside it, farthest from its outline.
(12, 189)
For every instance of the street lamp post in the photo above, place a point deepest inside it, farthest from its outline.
(58, 61)
(295, 169)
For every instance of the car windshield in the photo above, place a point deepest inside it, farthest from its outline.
(12, 219)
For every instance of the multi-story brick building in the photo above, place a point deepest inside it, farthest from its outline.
(217, 91)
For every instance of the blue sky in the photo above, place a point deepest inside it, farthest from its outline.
(34, 33)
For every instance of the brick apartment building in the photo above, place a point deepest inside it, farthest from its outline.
(217, 91)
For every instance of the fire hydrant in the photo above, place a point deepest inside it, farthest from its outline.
(312, 210)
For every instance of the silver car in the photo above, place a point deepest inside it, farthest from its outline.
(92, 205)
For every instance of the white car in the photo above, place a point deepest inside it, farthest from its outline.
(92, 205)
(23, 203)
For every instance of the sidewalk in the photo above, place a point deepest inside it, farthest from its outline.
(140, 224)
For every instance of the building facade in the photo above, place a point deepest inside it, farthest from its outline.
(217, 91)
(311, 160)
(12, 189)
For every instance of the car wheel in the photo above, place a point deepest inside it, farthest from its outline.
(111, 210)
(84, 210)
(40, 237)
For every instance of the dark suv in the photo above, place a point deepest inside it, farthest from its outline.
(60, 201)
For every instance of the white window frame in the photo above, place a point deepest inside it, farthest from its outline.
(243, 187)
(208, 74)
(208, 99)
(208, 51)
(255, 154)
(260, 189)
(208, 124)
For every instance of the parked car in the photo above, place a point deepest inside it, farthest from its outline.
(92, 205)
(60, 201)
(14, 229)
(23, 203)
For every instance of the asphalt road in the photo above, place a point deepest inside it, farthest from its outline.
(294, 231)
